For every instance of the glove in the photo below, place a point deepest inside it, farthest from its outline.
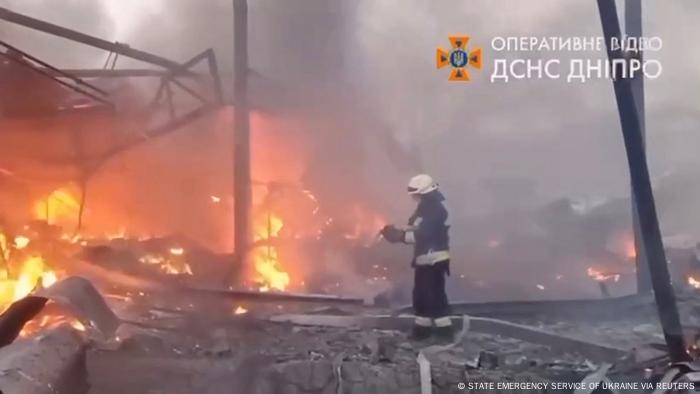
(392, 234)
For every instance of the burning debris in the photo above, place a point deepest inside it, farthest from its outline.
(601, 276)
(23, 269)
(266, 259)
(693, 282)
(354, 343)
(172, 264)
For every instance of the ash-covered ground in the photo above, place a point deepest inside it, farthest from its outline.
(201, 346)
(182, 332)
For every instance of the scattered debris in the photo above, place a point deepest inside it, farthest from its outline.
(269, 296)
(80, 297)
(386, 348)
(49, 363)
(17, 315)
(477, 324)
(487, 360)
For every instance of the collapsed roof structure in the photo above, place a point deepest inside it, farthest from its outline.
(61, 103)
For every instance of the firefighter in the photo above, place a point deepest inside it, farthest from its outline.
(427, 230)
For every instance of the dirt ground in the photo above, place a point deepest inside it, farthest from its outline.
(198, 350)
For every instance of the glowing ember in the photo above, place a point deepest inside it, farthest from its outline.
(172, 269)
(240, 310)
(177, 251)
(265, 258)
(152, 259)
(21, 242)
(48, 321)
(602, 276)
(693, 282)
(170, 266)
(313, 198)
(77, 325)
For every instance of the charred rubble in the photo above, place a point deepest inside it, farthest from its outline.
(157, 319)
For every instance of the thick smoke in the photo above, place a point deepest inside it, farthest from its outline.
(363, 72)
(521, 128)
(87, 16)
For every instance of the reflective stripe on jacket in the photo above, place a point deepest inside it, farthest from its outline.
(428, 231)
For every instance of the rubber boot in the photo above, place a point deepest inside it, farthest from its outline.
(445, 334)
(444, 330)
(420, 333)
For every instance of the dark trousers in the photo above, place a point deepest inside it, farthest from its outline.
(429, 296)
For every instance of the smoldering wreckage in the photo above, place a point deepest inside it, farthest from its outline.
(97, 298)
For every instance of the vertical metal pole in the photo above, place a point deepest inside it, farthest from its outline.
(241, 149)
(633, 28)
(79, 146)
(269, 234)
(641, 184)
(169, 97)
(83, 201)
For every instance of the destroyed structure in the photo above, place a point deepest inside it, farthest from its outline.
(104, 290)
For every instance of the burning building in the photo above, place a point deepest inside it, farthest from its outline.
(117, 227)
(129, 166)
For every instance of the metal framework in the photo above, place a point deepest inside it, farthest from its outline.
(69, 81)
(633, 27)
(171, 74)
(55, 30)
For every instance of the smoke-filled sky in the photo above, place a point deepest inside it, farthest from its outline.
(563, 137)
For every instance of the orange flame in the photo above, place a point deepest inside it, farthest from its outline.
(58, 205)
(21, 242)
(32, 272)
(49, 321)
(171, 265)
(4, 248)
(602, 276)
(20, 274)
(265, 258)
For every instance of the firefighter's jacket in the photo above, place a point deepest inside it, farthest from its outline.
(428, 231)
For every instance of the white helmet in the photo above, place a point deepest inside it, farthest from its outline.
(421, 184)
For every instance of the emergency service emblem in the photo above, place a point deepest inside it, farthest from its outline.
(459, 58)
